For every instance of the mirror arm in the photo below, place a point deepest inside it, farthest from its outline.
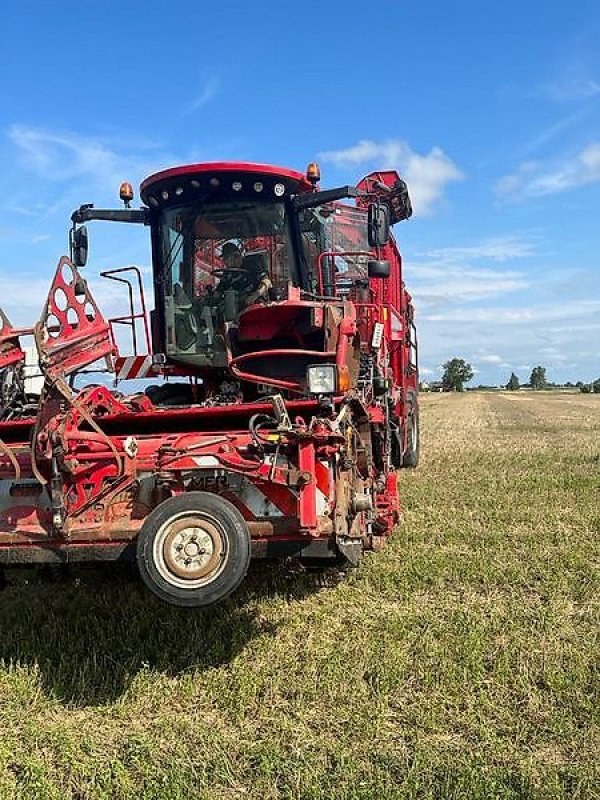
(87, 213)
(312, 199)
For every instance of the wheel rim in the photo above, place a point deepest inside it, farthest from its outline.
(191, 550)
(415, 433)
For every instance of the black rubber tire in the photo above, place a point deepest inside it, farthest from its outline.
(413, 442)
(220, 515)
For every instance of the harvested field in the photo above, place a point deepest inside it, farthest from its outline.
(461, 662)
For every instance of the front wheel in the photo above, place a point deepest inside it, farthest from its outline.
(194, 549)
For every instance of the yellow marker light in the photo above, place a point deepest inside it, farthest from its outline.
(313, 173)
(126, 193)
(343, 378)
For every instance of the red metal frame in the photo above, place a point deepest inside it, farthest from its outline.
(10, 350)
(72, 333)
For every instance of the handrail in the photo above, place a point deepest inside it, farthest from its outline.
(129, 319)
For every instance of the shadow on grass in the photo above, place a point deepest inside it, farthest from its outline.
(92, 631)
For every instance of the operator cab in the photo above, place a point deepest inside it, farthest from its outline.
(223, 240)
(255, 268)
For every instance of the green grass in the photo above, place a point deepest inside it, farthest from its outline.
(461, 662)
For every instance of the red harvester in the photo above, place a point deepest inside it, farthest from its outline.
(285, 353)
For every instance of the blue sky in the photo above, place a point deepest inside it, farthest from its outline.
(491, 112)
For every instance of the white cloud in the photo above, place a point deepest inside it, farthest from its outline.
(490, 359)
(21, 294)
(206, 94)
(499, 248)
(507, 315)
(26, 212)
(578, 170)
(426, 175)
(522, 336)
(449, 276)
(389, 153)
(556, 129)
(471, 304)
(572, 88)
(575, 78)
(434, 283)
(61, 156)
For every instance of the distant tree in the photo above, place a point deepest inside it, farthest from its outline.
(456, 373)
(538, 378)
(513, 383)
(596, 386)
(586, 388)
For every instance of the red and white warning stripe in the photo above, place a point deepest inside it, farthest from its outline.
(260, 500)
(131, 367)
(264, 500)
(325, 483)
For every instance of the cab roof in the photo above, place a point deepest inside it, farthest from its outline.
(180, 184)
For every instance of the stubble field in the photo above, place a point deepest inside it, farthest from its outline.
(461, 662)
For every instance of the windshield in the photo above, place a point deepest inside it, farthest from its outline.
(215, 260)
(198, 244)
(339, 229)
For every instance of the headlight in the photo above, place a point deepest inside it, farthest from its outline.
(321, 378)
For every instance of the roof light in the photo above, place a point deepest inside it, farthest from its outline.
(165, 195)
(279, 189)
(236, 186)
(195, 184)
(126, 193)
(215, 182)
(179, 191)
(258, 186)
(153, 201)
(313, 173)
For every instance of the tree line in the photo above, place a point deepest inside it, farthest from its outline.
(539, 381)
(457, 372)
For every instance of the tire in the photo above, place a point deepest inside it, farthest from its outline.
(411, 454)
(193, 550)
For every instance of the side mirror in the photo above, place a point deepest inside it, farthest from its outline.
(378, 225)
(80, 246)
(378, 269)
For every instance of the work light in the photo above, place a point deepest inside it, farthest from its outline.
(321, 378)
